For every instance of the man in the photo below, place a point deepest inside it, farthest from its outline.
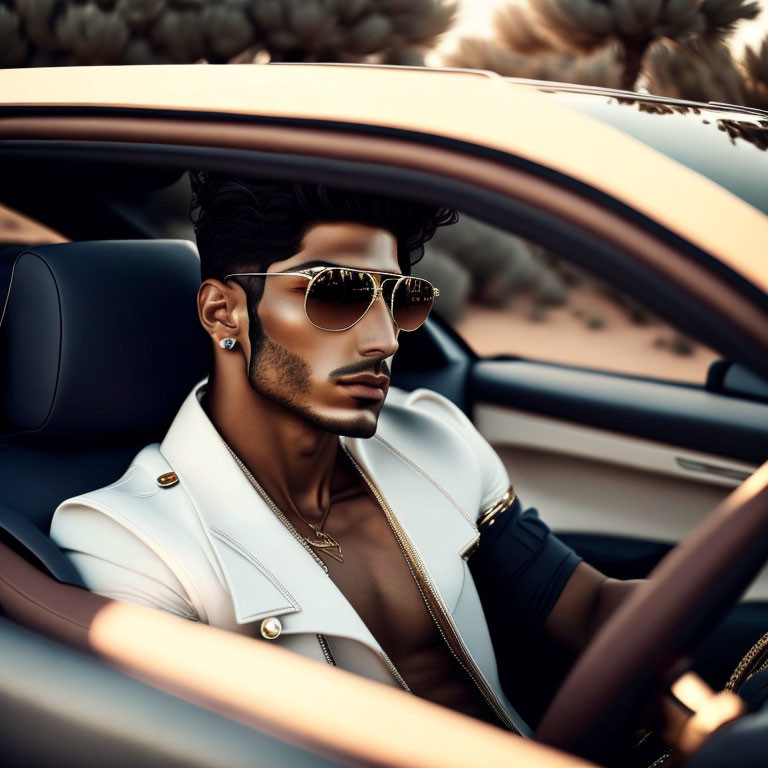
(288, 502)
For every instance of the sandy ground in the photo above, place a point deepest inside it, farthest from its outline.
(563, 336)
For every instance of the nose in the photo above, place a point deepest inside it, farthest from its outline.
(377, 332)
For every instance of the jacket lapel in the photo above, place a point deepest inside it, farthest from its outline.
(433, 514)
(268, 572)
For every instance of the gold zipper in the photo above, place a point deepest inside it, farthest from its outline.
(323, 640)
(434, 602)
(296, 535)
(744, 670)
(394, 671)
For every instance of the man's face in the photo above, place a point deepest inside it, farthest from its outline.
(336, 380)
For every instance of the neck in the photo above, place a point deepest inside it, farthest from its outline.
(293, 460)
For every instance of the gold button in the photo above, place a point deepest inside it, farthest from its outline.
(271, 628)
(168, 480)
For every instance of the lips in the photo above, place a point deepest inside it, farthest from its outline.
(370, 386)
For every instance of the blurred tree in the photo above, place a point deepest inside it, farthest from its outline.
(709, 72)
(704, 73)
(601, 68)
(518, 30)
(59, 32)
(524, 47)
(454, 280)
(13, 43)
(756, 66)
(599, 42)
(498, 266)
(634, 25)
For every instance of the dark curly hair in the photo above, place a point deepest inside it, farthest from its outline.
(243, 225)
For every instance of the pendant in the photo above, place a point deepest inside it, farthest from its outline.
(328, 544)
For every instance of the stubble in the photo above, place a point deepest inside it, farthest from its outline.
(285, 378)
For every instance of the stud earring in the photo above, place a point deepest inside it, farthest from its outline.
(228, 344)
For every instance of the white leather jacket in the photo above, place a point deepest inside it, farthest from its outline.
(209, 549)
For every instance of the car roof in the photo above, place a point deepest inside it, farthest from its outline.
(724, 142)
(459, 106)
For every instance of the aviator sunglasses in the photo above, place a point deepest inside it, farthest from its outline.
(339, 297)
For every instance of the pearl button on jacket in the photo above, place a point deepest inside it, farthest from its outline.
(208, 548)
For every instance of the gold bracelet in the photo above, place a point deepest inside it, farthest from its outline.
(488, 516)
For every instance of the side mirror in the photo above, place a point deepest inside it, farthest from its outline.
(729, 377)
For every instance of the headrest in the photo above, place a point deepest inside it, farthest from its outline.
(100, 338)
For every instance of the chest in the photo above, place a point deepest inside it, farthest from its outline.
(375, 577)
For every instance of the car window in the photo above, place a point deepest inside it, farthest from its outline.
(18, 229)
(507, 296)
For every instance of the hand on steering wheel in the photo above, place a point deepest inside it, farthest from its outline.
(689, 590)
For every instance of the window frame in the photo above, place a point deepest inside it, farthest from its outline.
(678, 281)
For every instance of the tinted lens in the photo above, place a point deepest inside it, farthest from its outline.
(338, 298)
(411, 301)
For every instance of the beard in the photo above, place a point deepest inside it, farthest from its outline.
(285, 378)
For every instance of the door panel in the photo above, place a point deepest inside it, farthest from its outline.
(672, 414)
(622, 469)
(503, 425)
(602, 505)
(606, 503)
(621, 498)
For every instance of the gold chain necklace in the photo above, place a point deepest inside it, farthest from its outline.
(325, 542)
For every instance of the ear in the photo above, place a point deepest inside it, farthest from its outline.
(222, 310)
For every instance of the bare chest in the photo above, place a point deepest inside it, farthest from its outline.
(375, 577)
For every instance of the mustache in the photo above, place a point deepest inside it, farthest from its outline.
(362, 366)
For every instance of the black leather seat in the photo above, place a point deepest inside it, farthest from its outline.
(99, 345)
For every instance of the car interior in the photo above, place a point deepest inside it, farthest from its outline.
(100, 343)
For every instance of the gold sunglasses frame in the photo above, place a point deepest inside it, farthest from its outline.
(312, 273)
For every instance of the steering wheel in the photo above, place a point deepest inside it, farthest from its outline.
(636, 648)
